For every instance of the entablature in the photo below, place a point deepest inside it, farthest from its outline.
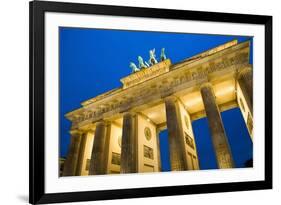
(152, 87)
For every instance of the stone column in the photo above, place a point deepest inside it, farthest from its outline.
(129, 144)
(245, 81)
(70, 165)
(158, 150)
(219, 139)
(98, 163)
(81, 154)
(178, 158)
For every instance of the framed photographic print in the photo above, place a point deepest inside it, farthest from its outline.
(140, 102)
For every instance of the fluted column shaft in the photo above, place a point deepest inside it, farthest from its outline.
(70, 165)
(81, 154)
(219, 139)
(178, 158)
(245, 81)
(98, 163)
(129, 144)
(158, 151)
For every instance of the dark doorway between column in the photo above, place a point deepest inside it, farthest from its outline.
(164, 151)
(238, 137)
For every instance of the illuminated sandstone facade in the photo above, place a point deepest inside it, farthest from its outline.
(117, 132)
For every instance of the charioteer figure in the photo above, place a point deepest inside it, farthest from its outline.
(152, 57)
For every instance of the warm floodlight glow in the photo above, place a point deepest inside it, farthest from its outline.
(225, 90)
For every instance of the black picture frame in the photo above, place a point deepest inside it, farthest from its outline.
(37, 9)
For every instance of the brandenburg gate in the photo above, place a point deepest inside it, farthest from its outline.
(118, 131)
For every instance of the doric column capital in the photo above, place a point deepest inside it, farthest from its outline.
(75, 132)
(206, 85)
(170, 98)
(129, 113)
(91, 128)
(207, 89)
(100, 123)
(244, 72)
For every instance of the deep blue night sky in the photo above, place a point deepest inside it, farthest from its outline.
(92, 61)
